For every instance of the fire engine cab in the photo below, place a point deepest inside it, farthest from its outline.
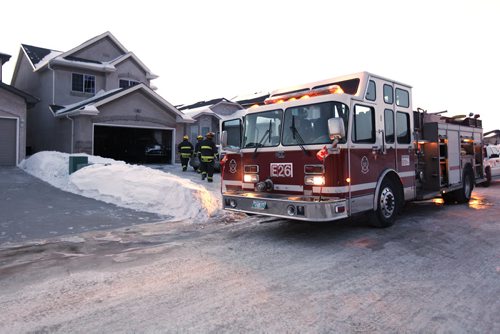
(330, 149)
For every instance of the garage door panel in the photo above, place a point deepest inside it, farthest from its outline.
(8, 139)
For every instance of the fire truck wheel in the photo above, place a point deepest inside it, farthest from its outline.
(389, 204)
(464, 194)
(449, 198)
(487, 175)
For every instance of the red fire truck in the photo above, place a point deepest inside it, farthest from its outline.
(334, 148)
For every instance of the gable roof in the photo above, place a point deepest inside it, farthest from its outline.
(94, 40)
(203, 103)
(130, 54)
(251, 99)
(30, 99)
(200, 108)
(40, 57)
(197, 112)
(90, 106)
(37, 56)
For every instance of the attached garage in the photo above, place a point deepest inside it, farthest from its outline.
(8, 141)
(14, 104)
(134, 144)
(132, 124)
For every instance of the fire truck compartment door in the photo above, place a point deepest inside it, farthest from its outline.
(453, 157)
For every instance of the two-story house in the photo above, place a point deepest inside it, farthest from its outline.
(96, 98)
(13, 106)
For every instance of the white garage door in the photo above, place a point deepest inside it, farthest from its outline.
(8, 135)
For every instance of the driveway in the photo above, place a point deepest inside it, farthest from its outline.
(33, 209)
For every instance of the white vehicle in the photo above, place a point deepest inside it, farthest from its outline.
(491, 163)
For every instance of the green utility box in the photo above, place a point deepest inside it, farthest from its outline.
(77, 162)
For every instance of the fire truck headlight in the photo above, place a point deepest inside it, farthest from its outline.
(251, 178)
(314, 180)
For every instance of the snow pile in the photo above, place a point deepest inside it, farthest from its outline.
(131, 186)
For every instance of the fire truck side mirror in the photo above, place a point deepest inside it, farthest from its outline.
(336, 128)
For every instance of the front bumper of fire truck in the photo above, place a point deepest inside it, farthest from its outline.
(306, 208)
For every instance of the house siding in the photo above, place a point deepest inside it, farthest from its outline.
(104, 50)
(63, 85)
(43, 131)
(127, 70)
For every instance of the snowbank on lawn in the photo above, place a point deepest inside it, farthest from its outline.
(131, 186)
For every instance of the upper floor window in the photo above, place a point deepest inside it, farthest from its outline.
(402, 98)
(83, 83)
(371, 91)
(363, 125)
(388, 94)
(128, 83)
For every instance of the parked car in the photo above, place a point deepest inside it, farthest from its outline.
(491, 163)
(155, 150)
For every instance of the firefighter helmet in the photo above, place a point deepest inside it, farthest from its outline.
(210, 135)
(200, 137)
(185, 137)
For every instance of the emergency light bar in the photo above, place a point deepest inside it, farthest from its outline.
(333, 89)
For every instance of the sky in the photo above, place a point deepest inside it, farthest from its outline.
(448, 51)
(166, 192)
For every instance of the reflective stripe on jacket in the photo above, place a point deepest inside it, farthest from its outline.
(208, 150)
(185, 148)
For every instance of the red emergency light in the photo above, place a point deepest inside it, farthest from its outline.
(333, 89)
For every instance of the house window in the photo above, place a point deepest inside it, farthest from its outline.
(193, 133)
(83, 83)
(128, 83)
(205, 130)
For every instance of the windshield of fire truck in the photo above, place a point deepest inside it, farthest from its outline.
(262, 129)
(308, 124)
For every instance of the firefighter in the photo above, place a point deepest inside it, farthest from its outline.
(208, 153)
(197, 151)
(185, 149)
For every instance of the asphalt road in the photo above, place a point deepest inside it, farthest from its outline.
(33, 209)
(436, 271)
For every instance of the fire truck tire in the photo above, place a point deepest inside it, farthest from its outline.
(389, 201)
(487, 174)
(464, 194)
(449, 198)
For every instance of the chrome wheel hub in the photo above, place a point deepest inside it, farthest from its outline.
(387, 203)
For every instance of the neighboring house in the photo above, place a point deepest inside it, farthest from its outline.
(206, 116)
(13, 106)
(96, 98)
(247, 101)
